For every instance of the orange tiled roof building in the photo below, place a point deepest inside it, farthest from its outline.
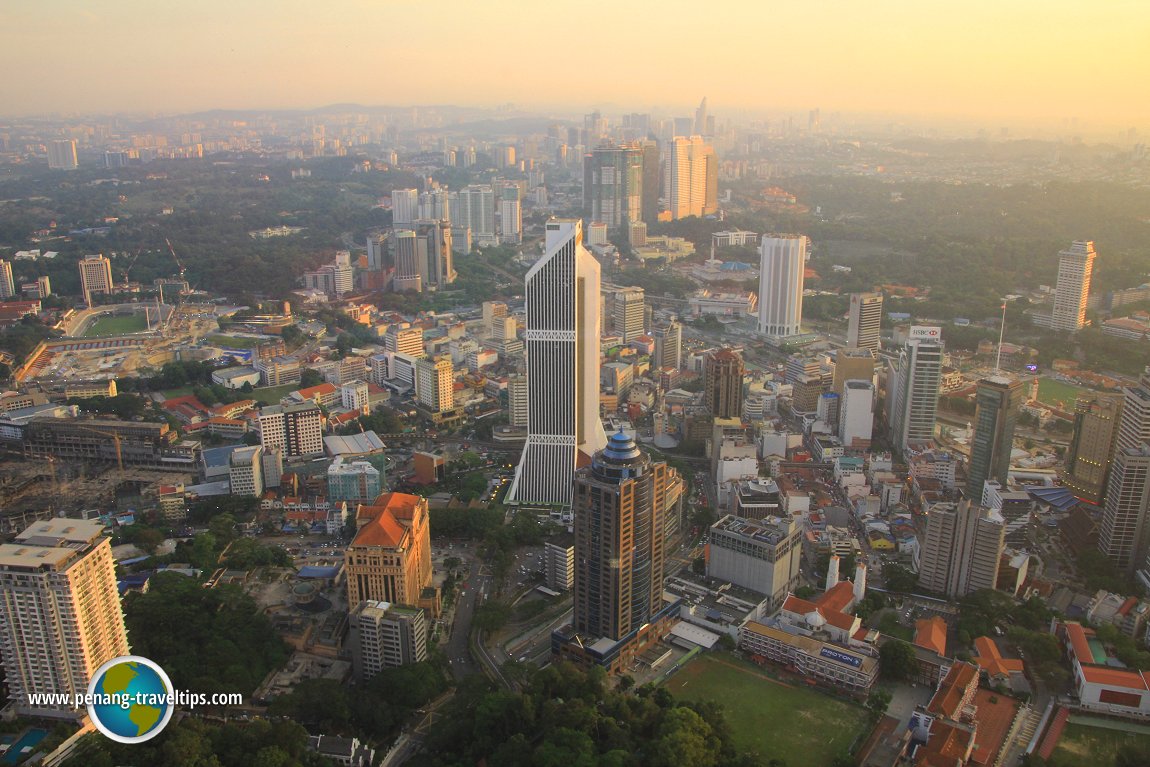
(389, 560)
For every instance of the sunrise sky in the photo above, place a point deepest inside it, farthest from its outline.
(1005, 60)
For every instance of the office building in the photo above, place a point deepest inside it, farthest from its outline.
(852, 365)
(389, 560)
(619, 545)
(474, 208)
(517, 393)
(629, 313)
(126, 443)
(690, 178)
(668, 346)
(408, 277)
(377, 257)
(62, 155)
(510, 216)
(864, 322)
(758, 554)
(335, 279)
(297, 430)
(856, 414)
(652, 182)
(723, 372)
(701, 118)
(998, 402)
(382, 635)
(1075, 267)
(912, 388)
(245, 471)
(613, 186)
(354, 481)
(401, 338)
(7, 284)
(562, 351)
(95, 276)
(1091, 451)
(1122, 536)
(404, 206)
(355, 395)
(559, 562)
(434, 258)
(435, 384)
(961, 549)
(60, 616)
(782, 263)
(1134, 425)
(493, 313)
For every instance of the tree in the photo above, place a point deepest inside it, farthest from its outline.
(897, 660)
(310, 377)
(878, 702)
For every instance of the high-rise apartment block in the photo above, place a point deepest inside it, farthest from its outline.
(95, 276)
(961, 550)
(562, 350)
(245, 471)
(619, 545)
(723, 372)
(1122, 536)
(913, 388)
(864, 322)
(7, 284)
(998, 402)
(690, 178)
(758, 554)
(435, 384)
(613, 185)
(1091, 452)
(60, 616)
(382, 635)
(474, 207)
(1075, 267)
(629, 313)
(435, 205)
(297, 430)
(404, 206)
(389, 560)
(510, 215)
(782, 264)
(62, 155)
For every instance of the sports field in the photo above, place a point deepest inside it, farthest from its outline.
(112, 325)
(1082, 744)
(1052, 392)
(802, 727)
(234, 342)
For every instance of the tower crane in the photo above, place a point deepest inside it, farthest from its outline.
(115, 439)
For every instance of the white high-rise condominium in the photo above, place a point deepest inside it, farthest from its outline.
(435, 205)
(404, 206)
(562, 350)
(474, 208)
(690, 178)
(62, 154)
(1075, 266)
(783, 259)
(60, 616)
(7, 284)
(913, 386)
(864, 323)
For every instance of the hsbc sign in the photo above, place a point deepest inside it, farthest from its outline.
(925, 332)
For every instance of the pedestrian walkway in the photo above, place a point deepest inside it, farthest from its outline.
(1053, 733)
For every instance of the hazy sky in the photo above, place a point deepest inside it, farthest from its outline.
(994, 60)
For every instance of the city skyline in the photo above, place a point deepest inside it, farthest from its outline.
(914, 61)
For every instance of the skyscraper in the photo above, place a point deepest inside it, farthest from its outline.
(961, 550)
(864, 323)
(60, 616)
(690, 178)
(613, 185)
(701, 118)
(1091, 450)
(404, 206)
(562, 351)
(474, 208)
(782, 264)
(1122, 536)
(62, 154)
(434, 255)
(434, 384)
(652, 181)
(723, 372)
(1075, 266)
(912, 388)
(629, 313)
(95, 276)
(1134, 425)
(668, 346)
(435, 205)
(998, 401)
(511, 216)
(619, 544)
(7, 284)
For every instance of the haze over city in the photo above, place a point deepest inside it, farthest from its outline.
(1024, 63)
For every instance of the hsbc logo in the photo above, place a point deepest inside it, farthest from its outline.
(923, 331)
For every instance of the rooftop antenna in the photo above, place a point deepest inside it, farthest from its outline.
(1001, 333)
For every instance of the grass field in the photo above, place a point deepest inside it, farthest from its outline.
(803, 727)
(273, 394)
(234, 342)
(1051, 392)
(1096, 746)
(110, 325)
